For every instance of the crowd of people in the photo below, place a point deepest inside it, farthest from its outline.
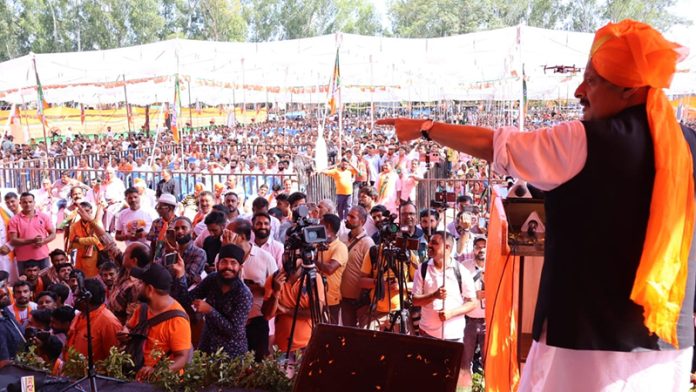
(190, 250)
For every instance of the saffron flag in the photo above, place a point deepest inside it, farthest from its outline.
(176, 108)
(335, 87)
(41, 103)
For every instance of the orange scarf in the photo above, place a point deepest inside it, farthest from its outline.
(633, 54)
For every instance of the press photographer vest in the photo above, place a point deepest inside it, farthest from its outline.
(595, 229)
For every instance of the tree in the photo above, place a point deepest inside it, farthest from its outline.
(219, 20)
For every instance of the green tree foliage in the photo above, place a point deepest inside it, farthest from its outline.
(437, 18)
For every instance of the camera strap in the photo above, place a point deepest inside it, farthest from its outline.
(457, 274)
(355, 241)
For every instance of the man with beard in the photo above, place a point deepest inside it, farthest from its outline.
(10, 333)
(258, 266)
(173, 335)
(367, 199)
(261, 205)
(22, 306)
(222, 298)
(261, 223)
(31, 275)
(231, 201)
(194, 257)
(215, 223)
(429, 219)
(331, 263)
(206, 200)
(108, 272)
(166, 205)
(358, 246)
(30, 232)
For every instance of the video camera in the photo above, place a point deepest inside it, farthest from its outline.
(304, 238)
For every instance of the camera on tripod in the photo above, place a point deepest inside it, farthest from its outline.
(303, 239)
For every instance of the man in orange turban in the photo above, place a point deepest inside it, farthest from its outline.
(616, 296)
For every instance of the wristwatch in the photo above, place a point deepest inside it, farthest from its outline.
(425, 129)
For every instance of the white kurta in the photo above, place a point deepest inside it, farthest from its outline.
(547, 158)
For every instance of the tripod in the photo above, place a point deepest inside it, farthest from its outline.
(92, 375)
(308, 285)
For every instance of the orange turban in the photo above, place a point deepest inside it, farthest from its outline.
(633, 54)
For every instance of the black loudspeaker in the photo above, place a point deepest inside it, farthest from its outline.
(351, 359)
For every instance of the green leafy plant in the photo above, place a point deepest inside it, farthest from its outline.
(32, 359)
(75, 365)
(118, 364)
(479, 383)
(162, 376)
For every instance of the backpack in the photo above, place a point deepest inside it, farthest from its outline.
(457, 274)
(136, 346)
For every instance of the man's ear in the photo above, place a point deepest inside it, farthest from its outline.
(631, 92)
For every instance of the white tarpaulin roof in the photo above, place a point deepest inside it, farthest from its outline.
(483, 65)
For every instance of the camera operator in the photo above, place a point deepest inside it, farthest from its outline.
(358, 246)
(331, 263)
(408, 221)
(48, 346)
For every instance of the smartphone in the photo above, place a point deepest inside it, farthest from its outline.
(170, 258)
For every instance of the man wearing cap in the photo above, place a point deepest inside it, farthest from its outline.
(629, 324)
(10, 332)
(222, 298)
(170, 336)
(166, 206)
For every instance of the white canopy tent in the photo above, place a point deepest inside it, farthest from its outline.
(484, 65)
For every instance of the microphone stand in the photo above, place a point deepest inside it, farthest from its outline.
(92, 376)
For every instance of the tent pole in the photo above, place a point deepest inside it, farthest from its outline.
(128, 109)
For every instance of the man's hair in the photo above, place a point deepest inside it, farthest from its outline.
(221, 208)
(329, 204)
(362, 212)
(430, 211)
(25, 194)
(141, 254)
(464, 199)
(479, 239)
(259, 203)
(381, 209)
(407, 203)
(276, 212)
(446, 237)
(61, 266)
(260, 213)
(47, 293)
(333, 222)
(182, 218)
(21, 283)
(215, 218)
(107, 266)
(41, 316)
(295, 197)
(233, 193)
(130, 190)
(61, 291)
(57, 252)
(282, 197)
(95, 287)
(64, 314)
(242, 227)
(206, 193)
(85, 204)
(10, 195)
(369, 191)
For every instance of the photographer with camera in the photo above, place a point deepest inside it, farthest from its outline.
(331, 263)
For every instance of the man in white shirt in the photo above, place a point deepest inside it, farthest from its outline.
(261, 223)
(443, 307)
(133, 223)
(257, 267)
